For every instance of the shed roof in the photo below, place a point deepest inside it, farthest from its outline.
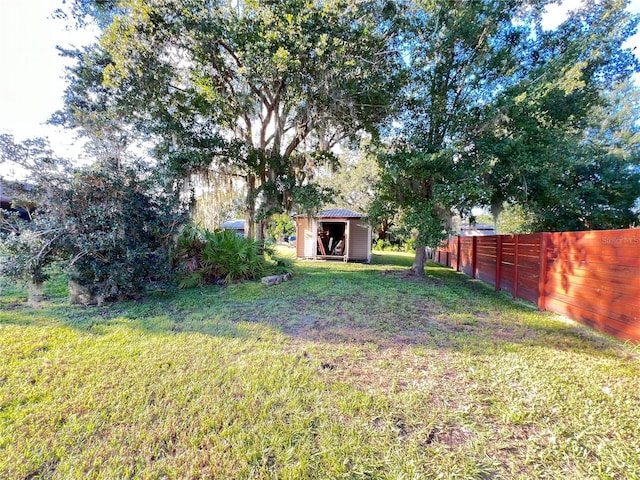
(337, 213)
(233, 224)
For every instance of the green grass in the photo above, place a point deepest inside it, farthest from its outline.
(347, 371)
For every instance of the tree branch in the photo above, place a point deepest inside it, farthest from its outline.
(233, 55)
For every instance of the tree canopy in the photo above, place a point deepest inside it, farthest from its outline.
(497, 109)
(470, 103)
(258, 90)
(544, 149)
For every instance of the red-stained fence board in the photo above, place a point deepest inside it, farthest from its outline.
(452, 248)
(466, 255)
(592, 277)
(486, 258)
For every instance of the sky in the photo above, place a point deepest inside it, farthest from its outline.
(32, 79)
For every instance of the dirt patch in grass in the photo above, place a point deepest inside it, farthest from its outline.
(9, 307)
(452, 437)
(341, 331)
(410, 276)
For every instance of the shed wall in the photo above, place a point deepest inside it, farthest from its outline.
(359, 241)
(304, 237)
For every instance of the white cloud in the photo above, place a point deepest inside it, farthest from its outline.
(32, 81)
(557, 13)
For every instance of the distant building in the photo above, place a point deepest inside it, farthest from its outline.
(10, 192)
(476, 229)
(237, 225)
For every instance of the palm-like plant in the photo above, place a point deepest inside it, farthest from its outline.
(203, 257)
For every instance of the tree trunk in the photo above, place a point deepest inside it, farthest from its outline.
(496, 210)
(262, 230)
(419, 260)
(250, 208)
(36, 293)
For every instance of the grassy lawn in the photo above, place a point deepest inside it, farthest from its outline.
(347, 371)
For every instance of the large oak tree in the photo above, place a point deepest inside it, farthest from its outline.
(257, 90)
(493, 101)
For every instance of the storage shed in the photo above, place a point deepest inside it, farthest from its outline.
(335, 234)
(237, 225)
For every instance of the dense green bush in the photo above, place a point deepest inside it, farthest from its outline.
(385, 245)
(203, 257)
(381, 245)
(119, 228)
(110, 226)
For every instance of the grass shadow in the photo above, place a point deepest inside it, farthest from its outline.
(447, 310)
(336, 303)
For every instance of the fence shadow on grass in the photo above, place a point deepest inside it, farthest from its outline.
(337, 303)
(446, 310)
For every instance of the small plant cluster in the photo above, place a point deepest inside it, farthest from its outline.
(221, 257)
(385, 245)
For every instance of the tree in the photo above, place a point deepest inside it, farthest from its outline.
(217, 198)
(29, 245)
(493, 100)
(543, 151)
(352, 178)
(110, 225)
(281, 225)
(458, 55)
(260, 91)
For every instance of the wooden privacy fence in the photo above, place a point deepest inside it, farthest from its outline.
(592, 277)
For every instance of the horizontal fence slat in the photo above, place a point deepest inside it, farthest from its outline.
(592, 277)
(526, 293)
(595, 320)
(561, 281)
(616, 305)
(611, 274)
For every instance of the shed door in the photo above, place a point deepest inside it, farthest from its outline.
(347, 241)
(310, 240)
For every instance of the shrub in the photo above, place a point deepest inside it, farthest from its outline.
(110, 227)
(277, 265)
(110, 224)
(119, 227)
(381, 245)
(409, 245)
(203, 257)
(281, 225)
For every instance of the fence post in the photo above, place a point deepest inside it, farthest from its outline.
(498, 261)
(447, 262)
(474, 256)
(515, 268)
(542, 280)
(459, 243)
